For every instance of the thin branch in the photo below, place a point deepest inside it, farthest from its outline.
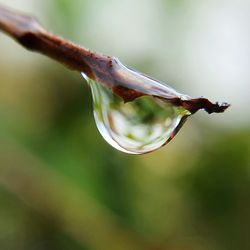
(29, 33)
(106, 70)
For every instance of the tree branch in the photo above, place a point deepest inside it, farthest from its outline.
(29, 33)
(106, 70)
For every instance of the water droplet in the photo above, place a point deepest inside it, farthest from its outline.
(136, 127)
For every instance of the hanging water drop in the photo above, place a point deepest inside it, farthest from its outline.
(136, 127)
(135, 113)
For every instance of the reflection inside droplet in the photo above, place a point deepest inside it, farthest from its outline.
(137, 127)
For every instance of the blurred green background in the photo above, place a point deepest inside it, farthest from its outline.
(62, 187)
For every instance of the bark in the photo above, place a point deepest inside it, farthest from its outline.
(106, 70)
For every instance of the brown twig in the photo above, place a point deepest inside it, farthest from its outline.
(106, 70)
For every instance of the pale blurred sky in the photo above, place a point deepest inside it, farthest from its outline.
(200, 46)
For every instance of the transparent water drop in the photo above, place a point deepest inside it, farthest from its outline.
(135, 127)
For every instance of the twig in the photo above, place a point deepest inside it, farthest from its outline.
(106, 70)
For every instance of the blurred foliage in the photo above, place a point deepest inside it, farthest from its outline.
(192, 194)
(64, 16)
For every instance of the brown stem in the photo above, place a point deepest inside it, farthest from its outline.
(29, 33)
(106, 70)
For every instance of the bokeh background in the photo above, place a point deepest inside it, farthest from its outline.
(62, 187)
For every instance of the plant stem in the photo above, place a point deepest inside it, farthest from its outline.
(103, 69)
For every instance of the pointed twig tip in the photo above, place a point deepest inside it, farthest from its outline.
(222, 106)
(217, 107)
